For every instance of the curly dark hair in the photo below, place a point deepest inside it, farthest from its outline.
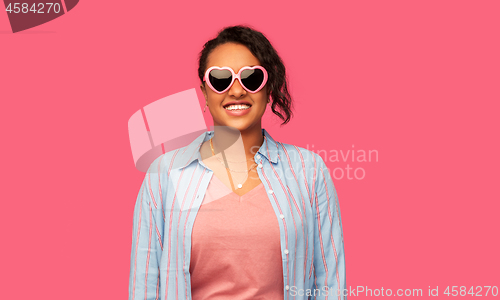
(262, 49)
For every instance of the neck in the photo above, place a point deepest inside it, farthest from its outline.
(237, 144)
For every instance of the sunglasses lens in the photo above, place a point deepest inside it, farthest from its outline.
(220, 79)
(252, 78)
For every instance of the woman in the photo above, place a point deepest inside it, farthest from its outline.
(236, 214)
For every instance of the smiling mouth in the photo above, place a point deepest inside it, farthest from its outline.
(236, 107)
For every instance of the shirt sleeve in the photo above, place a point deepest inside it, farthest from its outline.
(329, 260)
(144, 280)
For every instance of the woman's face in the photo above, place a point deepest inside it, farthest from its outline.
(235, 56)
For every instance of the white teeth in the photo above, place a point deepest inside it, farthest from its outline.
(237, 106)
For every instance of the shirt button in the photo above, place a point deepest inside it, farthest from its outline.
(282, 216)
(286, 251)
(287, 287)
(270, 192)
(260, 166)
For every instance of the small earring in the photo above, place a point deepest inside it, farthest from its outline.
(205, 109)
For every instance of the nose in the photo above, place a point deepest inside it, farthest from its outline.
(237, 90)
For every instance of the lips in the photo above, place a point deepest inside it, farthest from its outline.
(237, 110)
(237, 102)
(233, 107)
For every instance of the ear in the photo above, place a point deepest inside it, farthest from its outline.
(204, 91)
(269, 88)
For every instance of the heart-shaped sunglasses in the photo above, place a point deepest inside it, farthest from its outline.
(251, 79)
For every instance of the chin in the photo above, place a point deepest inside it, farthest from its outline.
(241, 125)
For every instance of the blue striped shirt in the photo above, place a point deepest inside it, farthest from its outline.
(303, 197)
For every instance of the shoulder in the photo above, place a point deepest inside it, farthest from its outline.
(299, 155)
(166, 161)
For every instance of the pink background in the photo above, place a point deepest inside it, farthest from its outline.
(418, 81)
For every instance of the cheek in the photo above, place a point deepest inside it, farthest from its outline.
(261, 99)
(214, 99)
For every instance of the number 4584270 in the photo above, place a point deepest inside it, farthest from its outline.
(473, 291)
(39, 8)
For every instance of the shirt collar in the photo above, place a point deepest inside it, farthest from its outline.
(185, 156)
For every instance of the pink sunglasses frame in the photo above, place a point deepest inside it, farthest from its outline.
(234, 77)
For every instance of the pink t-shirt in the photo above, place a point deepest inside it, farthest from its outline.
(235, 246)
